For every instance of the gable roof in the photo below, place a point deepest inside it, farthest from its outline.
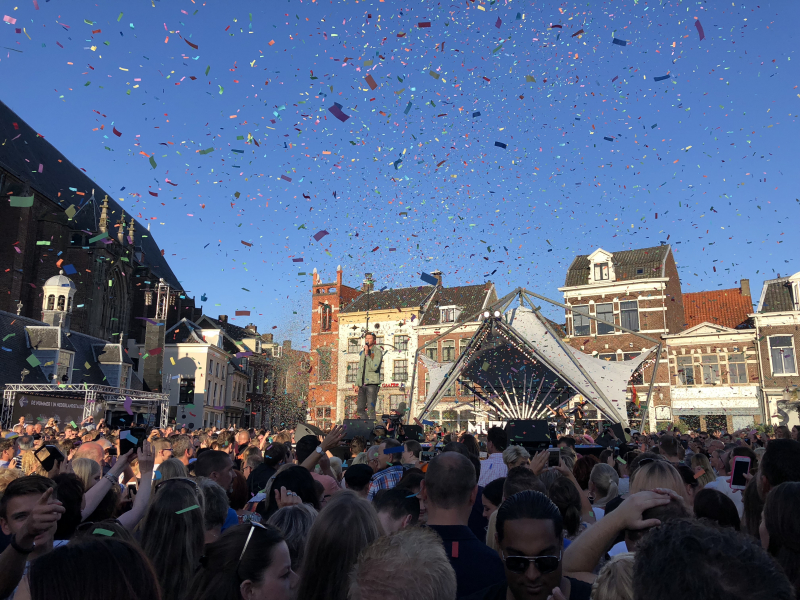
(25, 150)
(470, 298)
(776, 296)
(704, 328)
(729, 308)
(626, 263)
(233, 331)
(183, 332)
(390, 299)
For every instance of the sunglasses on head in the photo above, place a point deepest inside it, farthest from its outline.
(544, 564)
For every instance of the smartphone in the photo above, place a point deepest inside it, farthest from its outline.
(553, 457)
(131, 439)
(132, 488)
(48, 455)
(741, 466)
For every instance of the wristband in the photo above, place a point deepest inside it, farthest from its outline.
(111, 478)
(19, 548)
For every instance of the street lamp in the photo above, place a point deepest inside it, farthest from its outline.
(368, 281)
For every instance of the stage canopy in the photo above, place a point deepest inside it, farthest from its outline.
(518, 366)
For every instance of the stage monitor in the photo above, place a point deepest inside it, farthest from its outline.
(362, 427)
(527, 432)
(304, 429)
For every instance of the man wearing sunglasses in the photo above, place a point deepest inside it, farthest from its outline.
(529, 533)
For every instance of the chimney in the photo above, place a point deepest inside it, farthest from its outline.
(287, 345)
(438, 274)
(266, 338)
(251, 328)
(744, 284)
(366, 286)
(339, 276)
(222, 318)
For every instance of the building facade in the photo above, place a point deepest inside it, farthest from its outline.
(327, 299)
(777, 321)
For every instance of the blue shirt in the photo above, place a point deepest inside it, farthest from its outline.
(476, 565)
(231, 520)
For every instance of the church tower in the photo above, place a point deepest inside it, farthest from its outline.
(59, 292)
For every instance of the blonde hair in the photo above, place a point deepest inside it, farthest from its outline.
(171, 469)
(606, 479)
(7, 476)
(86, 469)
(31, 465)
(658, 474)
(701, 460)
(512, 454)
(569, 456)
(615, 581)
(419, 550)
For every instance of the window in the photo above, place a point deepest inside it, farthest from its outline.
(685, 370)
(608, 357)
(580, 322)
(432, 353)
(395, 400)
(61, 302)
(277, 351)
(710, 363)
(353, 346)
(400, 372)
(327, 317)
(606, 312)
(448, 351)
(323, 412)
(629, 315)
(51, 302)
(448, 315)
(462, 345)
(601, 271)
(463, 389)
(450, 392)
(737, 368)
(640, 271)
(324, 372)
(782, 354)
(64, 370)
(352, 371)
(401, 343)
(186, 394)
(379, 341)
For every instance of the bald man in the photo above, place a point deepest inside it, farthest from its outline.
(92, 451)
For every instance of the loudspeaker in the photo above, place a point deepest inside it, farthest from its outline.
(413, 432)
(354, 427)
(304, 429)
(341, 452)
(525, 432)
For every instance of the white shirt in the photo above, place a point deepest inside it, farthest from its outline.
(492, 468)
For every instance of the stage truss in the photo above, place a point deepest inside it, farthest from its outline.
(540, 382)
(95, 398)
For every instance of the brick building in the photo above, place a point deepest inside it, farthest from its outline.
(326, 301)
(777, 322)
(637, 289)
(449, 307)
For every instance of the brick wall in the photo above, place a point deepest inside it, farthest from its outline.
(771, 381)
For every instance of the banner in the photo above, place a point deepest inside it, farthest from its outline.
(39, 409)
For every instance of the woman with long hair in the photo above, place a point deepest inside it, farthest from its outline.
(780, 530)
(170, 469)
(248, 562)
(346, 526)
(88, 471)
(93, 568)
(700, 461)
(603, 482)
(173, 534)
(295, 523)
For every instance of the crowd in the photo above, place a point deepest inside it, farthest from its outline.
(91, 513)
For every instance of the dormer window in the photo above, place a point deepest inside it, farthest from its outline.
(449, 314)
(601, 272)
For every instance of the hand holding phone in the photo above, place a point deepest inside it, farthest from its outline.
(741, 467)
(553, 457)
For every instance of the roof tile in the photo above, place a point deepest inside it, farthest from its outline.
(728, 308)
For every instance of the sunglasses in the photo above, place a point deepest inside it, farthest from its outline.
(186, 480)
(544, 564)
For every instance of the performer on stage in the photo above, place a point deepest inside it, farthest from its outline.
(368, 379)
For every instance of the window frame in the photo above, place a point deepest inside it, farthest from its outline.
(320, 371)
(708, 366)
(741, 368)
(449, 345)
(402, 374)
(602, 269)
(401, 342)
(447, 315)
(588, 324)
(623, 312)
(351, 372)
(606, 329)
(680, 369)
(432, 350)
(326, 317)
(772, 362)
(353, 348)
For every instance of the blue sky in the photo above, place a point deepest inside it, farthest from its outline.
(596, 152)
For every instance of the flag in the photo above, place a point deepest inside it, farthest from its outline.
(634, 396)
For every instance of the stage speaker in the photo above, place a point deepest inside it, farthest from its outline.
(605, 439)
(119, 419)
(527, 432)
(362, 427)
(342, 452)
(413, 432)
(304, 429)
